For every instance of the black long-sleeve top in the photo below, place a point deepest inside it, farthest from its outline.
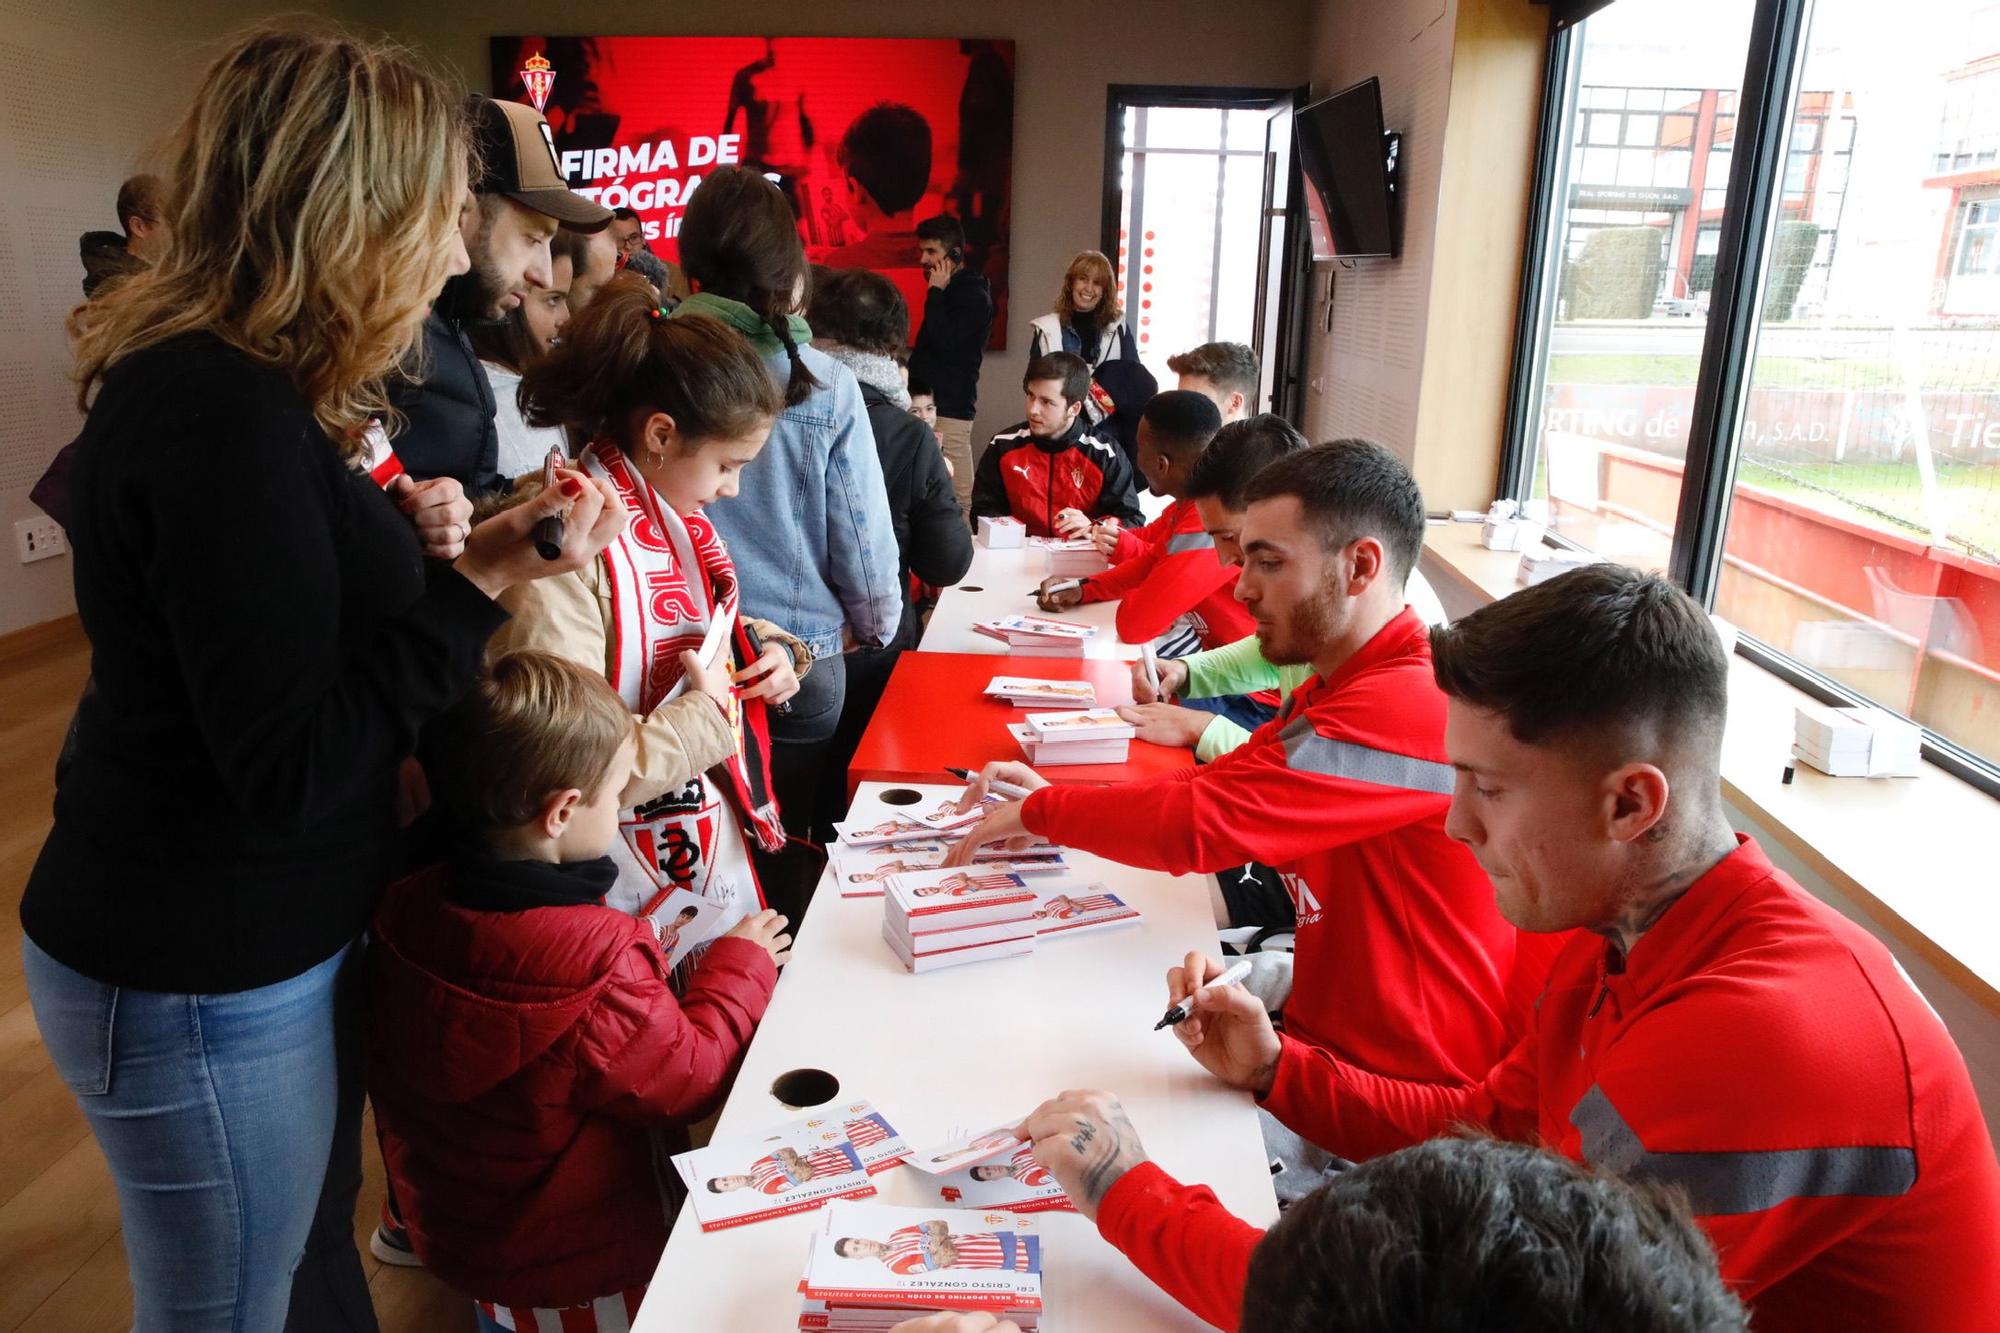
(266, 640)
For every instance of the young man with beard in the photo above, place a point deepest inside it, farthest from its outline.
(1404, 966)
(1709, 1026)
(515, 207)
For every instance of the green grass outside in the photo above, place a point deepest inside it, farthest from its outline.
(1865, 492)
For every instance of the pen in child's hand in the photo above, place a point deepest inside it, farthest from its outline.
(1236, 973)
(549, 532)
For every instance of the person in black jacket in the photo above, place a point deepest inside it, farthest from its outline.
(951, 342)
(518, 202)
(268, 633)
(860, 320)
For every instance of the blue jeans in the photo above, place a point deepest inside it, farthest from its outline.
(231, 1123)
(1241, 709)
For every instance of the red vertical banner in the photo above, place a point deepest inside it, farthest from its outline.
(866, 136)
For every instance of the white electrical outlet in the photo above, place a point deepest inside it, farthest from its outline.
(38, 539)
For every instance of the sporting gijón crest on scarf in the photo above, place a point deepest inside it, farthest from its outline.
(671, 579)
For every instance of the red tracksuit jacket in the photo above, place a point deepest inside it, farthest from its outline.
(1404, 964)
(1757, 1049)
(1166, 570)
(1034, 480)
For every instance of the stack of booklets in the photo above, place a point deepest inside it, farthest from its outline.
(1038, 636)
(1028, 692)
(1077, 912)
(861, 872)
(872, 1266)
(804, 1164)
(941, 918)
(1088, 736)
(1075, 559)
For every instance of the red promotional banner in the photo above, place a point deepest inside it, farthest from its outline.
(867, 136)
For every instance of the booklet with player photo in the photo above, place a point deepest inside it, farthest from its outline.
(963, 1150)
(871, 1256)
(730, 1185)
(683, 921)
(1078, 912)
(1013, 1181)
(1029, 692)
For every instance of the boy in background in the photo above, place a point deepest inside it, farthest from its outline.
(539, 1051)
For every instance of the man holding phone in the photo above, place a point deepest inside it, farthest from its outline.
(951, 342)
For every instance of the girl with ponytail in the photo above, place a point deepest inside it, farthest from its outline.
(811, 527)
(675, 412)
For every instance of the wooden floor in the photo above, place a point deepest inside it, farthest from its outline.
(62, 1263)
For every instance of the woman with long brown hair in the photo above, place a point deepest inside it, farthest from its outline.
(269, 630)
(1088, 319)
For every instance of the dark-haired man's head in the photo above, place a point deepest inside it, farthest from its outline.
(941, 244)
(1173, 430)
(628, 231)
(1221, 475)
(1481, 1236)
(886, 154)
(859, 308)
(1329, 535)
(142, 215)
(1585, 720)
(1226, 372)
(1056, 386)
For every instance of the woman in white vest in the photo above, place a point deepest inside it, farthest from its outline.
(1088, 321)
(674, 410)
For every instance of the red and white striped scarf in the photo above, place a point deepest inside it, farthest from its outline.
(607, 1314)
(670, 578)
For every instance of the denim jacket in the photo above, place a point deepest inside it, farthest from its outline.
(809, 528)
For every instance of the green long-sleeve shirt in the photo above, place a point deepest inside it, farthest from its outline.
(1237, 668)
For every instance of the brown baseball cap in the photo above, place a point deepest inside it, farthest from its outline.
(517, 156)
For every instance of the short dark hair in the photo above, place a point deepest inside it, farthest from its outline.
(1350, 489)
(139, 197)
(944, 229)
(859, 308)
(1239, 452)
(1071, 369)
(920, 385)
(1598, 647)
(624, 215)
(1228, 366)
(1478, 1234)
(1182, 421)
(888, 151)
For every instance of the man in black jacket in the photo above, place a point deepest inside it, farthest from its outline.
(517, 203)
(951, 343)
(858, 318)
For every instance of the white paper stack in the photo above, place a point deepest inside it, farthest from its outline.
(1072, 559)
(1038, 636)
(1028, 692)
(1088, 736)
(1078, 912)
(1857, 742)
(941, 918)
(1002, 533)
(872, 1266)
(861, 872)
(1541, 564)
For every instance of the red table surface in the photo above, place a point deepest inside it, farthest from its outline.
(935, 713)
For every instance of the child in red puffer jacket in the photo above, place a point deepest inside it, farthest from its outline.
(539, 1070)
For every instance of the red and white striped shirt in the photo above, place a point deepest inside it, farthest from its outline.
(606, 1314)
(978, 1249)
(1069, 907)
(768, 1176)
(964, 886)
(867, 1133)
(1027, 1170)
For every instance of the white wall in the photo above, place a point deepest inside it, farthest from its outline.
(89, 89)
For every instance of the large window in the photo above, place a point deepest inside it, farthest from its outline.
(1780, 377)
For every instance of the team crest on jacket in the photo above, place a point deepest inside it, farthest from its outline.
(1076, 476)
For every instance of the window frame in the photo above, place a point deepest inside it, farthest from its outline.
(1779, 35)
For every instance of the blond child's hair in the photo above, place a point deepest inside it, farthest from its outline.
(534, 724)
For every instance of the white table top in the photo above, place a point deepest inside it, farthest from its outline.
(967, 1047)
(1006, 581)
